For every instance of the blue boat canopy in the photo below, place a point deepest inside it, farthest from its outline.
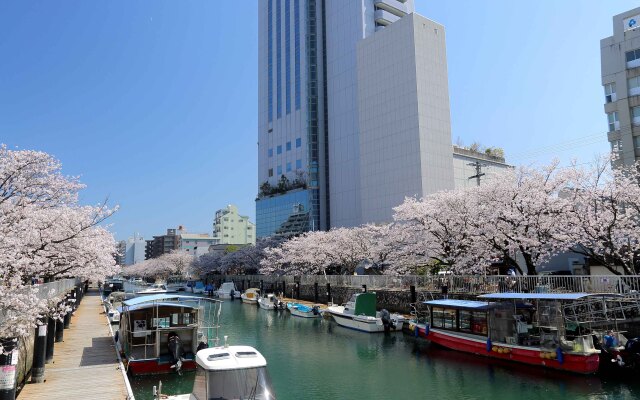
(143, 306)
(158, 297)
(544, 296)
(452, 303)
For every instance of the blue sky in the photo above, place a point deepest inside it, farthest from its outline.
(154, 103)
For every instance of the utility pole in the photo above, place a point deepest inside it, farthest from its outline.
(479, 172)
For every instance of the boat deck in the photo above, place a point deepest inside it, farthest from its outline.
(85, 364)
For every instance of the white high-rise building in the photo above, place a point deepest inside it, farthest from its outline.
(134, 250)
(620, 57)
(353, 112)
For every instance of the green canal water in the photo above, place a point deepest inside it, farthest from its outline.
(317, 359)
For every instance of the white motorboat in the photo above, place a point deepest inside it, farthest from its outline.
(304, 311)
(271, 302)
(113, 315)
(156, 288)
(250, 296)
(227, 291)
(227, 372)
(360, 313)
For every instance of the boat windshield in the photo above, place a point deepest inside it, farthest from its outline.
(238, 384)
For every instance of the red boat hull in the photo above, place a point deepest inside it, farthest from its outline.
(154, 366)
(581, 364)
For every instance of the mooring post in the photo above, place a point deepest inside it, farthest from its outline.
(67, 315)
(298, 290)
(39, 352)
(59, 330)
(284, 292)
(51, 339)
(328, 293)
(315, 292)
(413, 293)
(261, 286)
(364, 288)
(8, 367)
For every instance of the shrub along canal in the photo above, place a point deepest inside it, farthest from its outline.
(316, 359)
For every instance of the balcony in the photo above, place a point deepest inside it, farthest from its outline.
(395, 7)
(385, 18)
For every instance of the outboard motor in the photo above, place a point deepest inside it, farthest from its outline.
(175, 349)
(315, 310)
(232, 293)
(385, 316)
(202, 346)
(632, 353)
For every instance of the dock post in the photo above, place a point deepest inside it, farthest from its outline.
(315, 292)
(298, 290)
(51, 338)
(39, 352)
(8, 372)
(328, 293)
(261, 286)
(413, 293)
(59, 330)
(284, 291)
(67, 318)
(364, 288)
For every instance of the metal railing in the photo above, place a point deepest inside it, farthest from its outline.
(54, 289)
(463, 284)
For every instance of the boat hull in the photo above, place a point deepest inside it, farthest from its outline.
(154, 366)
(304, 314)
(249, 301)
(360, 322)
(581, 364)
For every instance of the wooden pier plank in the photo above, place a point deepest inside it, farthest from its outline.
(85, 365)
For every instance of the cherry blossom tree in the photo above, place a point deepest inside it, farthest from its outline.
(44, 232)
(605, 215)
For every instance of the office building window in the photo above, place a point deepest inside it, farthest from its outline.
(279, 57)
(270, 152)
(616, 145)
(287, 52)
(298, 142)
(270, 172)
(288, 146)
(298, 164)
(279, 149)
(279, 170)
(633, 55)
(610, 92)
(288, 167)
(634, 86)
(612, 118)
(270, 58)
(635, 115)
(296, 15)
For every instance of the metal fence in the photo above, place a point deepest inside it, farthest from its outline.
(49, 290)
(468, 284)
(54, 289)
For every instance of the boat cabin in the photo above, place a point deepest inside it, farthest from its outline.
(362, 304)
(232, 372)
(542, 320)
(146, 326)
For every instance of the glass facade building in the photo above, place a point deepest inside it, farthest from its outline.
(273, 213)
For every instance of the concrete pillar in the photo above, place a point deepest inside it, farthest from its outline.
(51, 339)
(39, 353)
(8, 369)
(315, 292)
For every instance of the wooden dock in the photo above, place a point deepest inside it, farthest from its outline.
(85, 364)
